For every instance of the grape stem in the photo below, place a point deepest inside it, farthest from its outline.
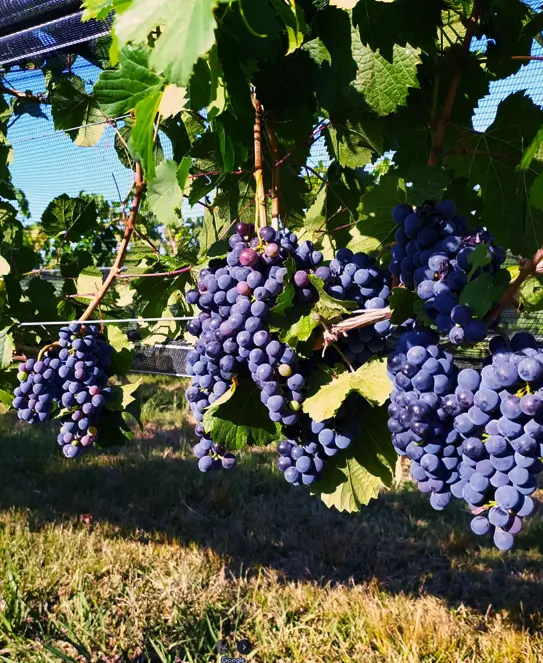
(260, 196)
(439, 133)
(369, 317)
(130, 224)
(56, 344)
(527, 268)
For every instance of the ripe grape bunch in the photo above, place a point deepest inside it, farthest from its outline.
(234, 297)
(68, 380)
(499, 414)
(422, 375)
(432, 254)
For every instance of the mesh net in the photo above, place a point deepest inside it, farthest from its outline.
(53, 36)
(15, 12)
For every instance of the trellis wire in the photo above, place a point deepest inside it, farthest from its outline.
(111, 321)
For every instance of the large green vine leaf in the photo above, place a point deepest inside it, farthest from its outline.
(186, 33)
(239, 418)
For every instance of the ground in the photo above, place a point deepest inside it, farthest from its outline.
(136, 556)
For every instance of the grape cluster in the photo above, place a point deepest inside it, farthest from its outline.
(499, 415)
(302, 462)
(69, 379)
(432, 254)
(422, 375)
(234, 297)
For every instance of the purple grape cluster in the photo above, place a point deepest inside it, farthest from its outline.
(432, 254)
(499, 415)
(234, 297)
(69, 380)
(422, 375)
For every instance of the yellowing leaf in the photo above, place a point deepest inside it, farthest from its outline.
(4, 266)
(173, 100)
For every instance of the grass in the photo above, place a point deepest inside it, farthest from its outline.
(135, 556)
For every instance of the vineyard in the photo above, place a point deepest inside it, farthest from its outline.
(366, 313)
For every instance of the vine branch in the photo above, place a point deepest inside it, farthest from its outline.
(527, 268)
(276, 173)
(24, 96)
(260, 197)
(446, 113)
(119, 258)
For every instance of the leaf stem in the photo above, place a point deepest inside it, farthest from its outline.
(444, 120)
(121, 253)
(527, 268)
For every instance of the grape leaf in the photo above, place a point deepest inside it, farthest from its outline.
(375, 208)
(89, 282)
(384, 84)
(72, 106)
(401, 305)
(531, 294)
(7, 348)
(285, 299)
(112, 429)
(73, 216)
(481, 293)
(122, 396)
(370, 381)
(143, 132)
(292, 16)
(239, 418)
(301, 330)
(428, 183)
(165, 196)
(186, 33)
(172, 102)
(480, 257)
(4, 266)
(326, 307)
(121, 359)
(118, 91)
(353, 477)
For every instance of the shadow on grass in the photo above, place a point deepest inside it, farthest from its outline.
(254, 518)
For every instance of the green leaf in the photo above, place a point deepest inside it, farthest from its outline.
(481, 293)
(89, 282)
(186, 33)
(354, 144)
(121, 359)
(428, 183)
(286, 298)
(326, 307)
(165, 196)
(401, 305)
(301, 330)
(533, 151)
(370, 381)
(291, 14)
(118, 91)
(490, 161)
(239, 418)
(143, 133)
(4, 266)
(385, 85)
(74, 217)
(7, 348)
(376, 208)
(71, 106)
(112, 429)
(183, 172)
(480, 257)
(122, 396)
(172, 102)
(530, 294)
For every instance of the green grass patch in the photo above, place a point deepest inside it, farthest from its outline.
(136, 556)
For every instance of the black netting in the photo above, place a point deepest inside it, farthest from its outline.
(168, 358)
(15, 12)
(53, 36)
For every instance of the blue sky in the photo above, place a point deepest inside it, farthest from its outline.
(46, 163)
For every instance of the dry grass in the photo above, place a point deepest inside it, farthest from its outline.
(136, 556)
